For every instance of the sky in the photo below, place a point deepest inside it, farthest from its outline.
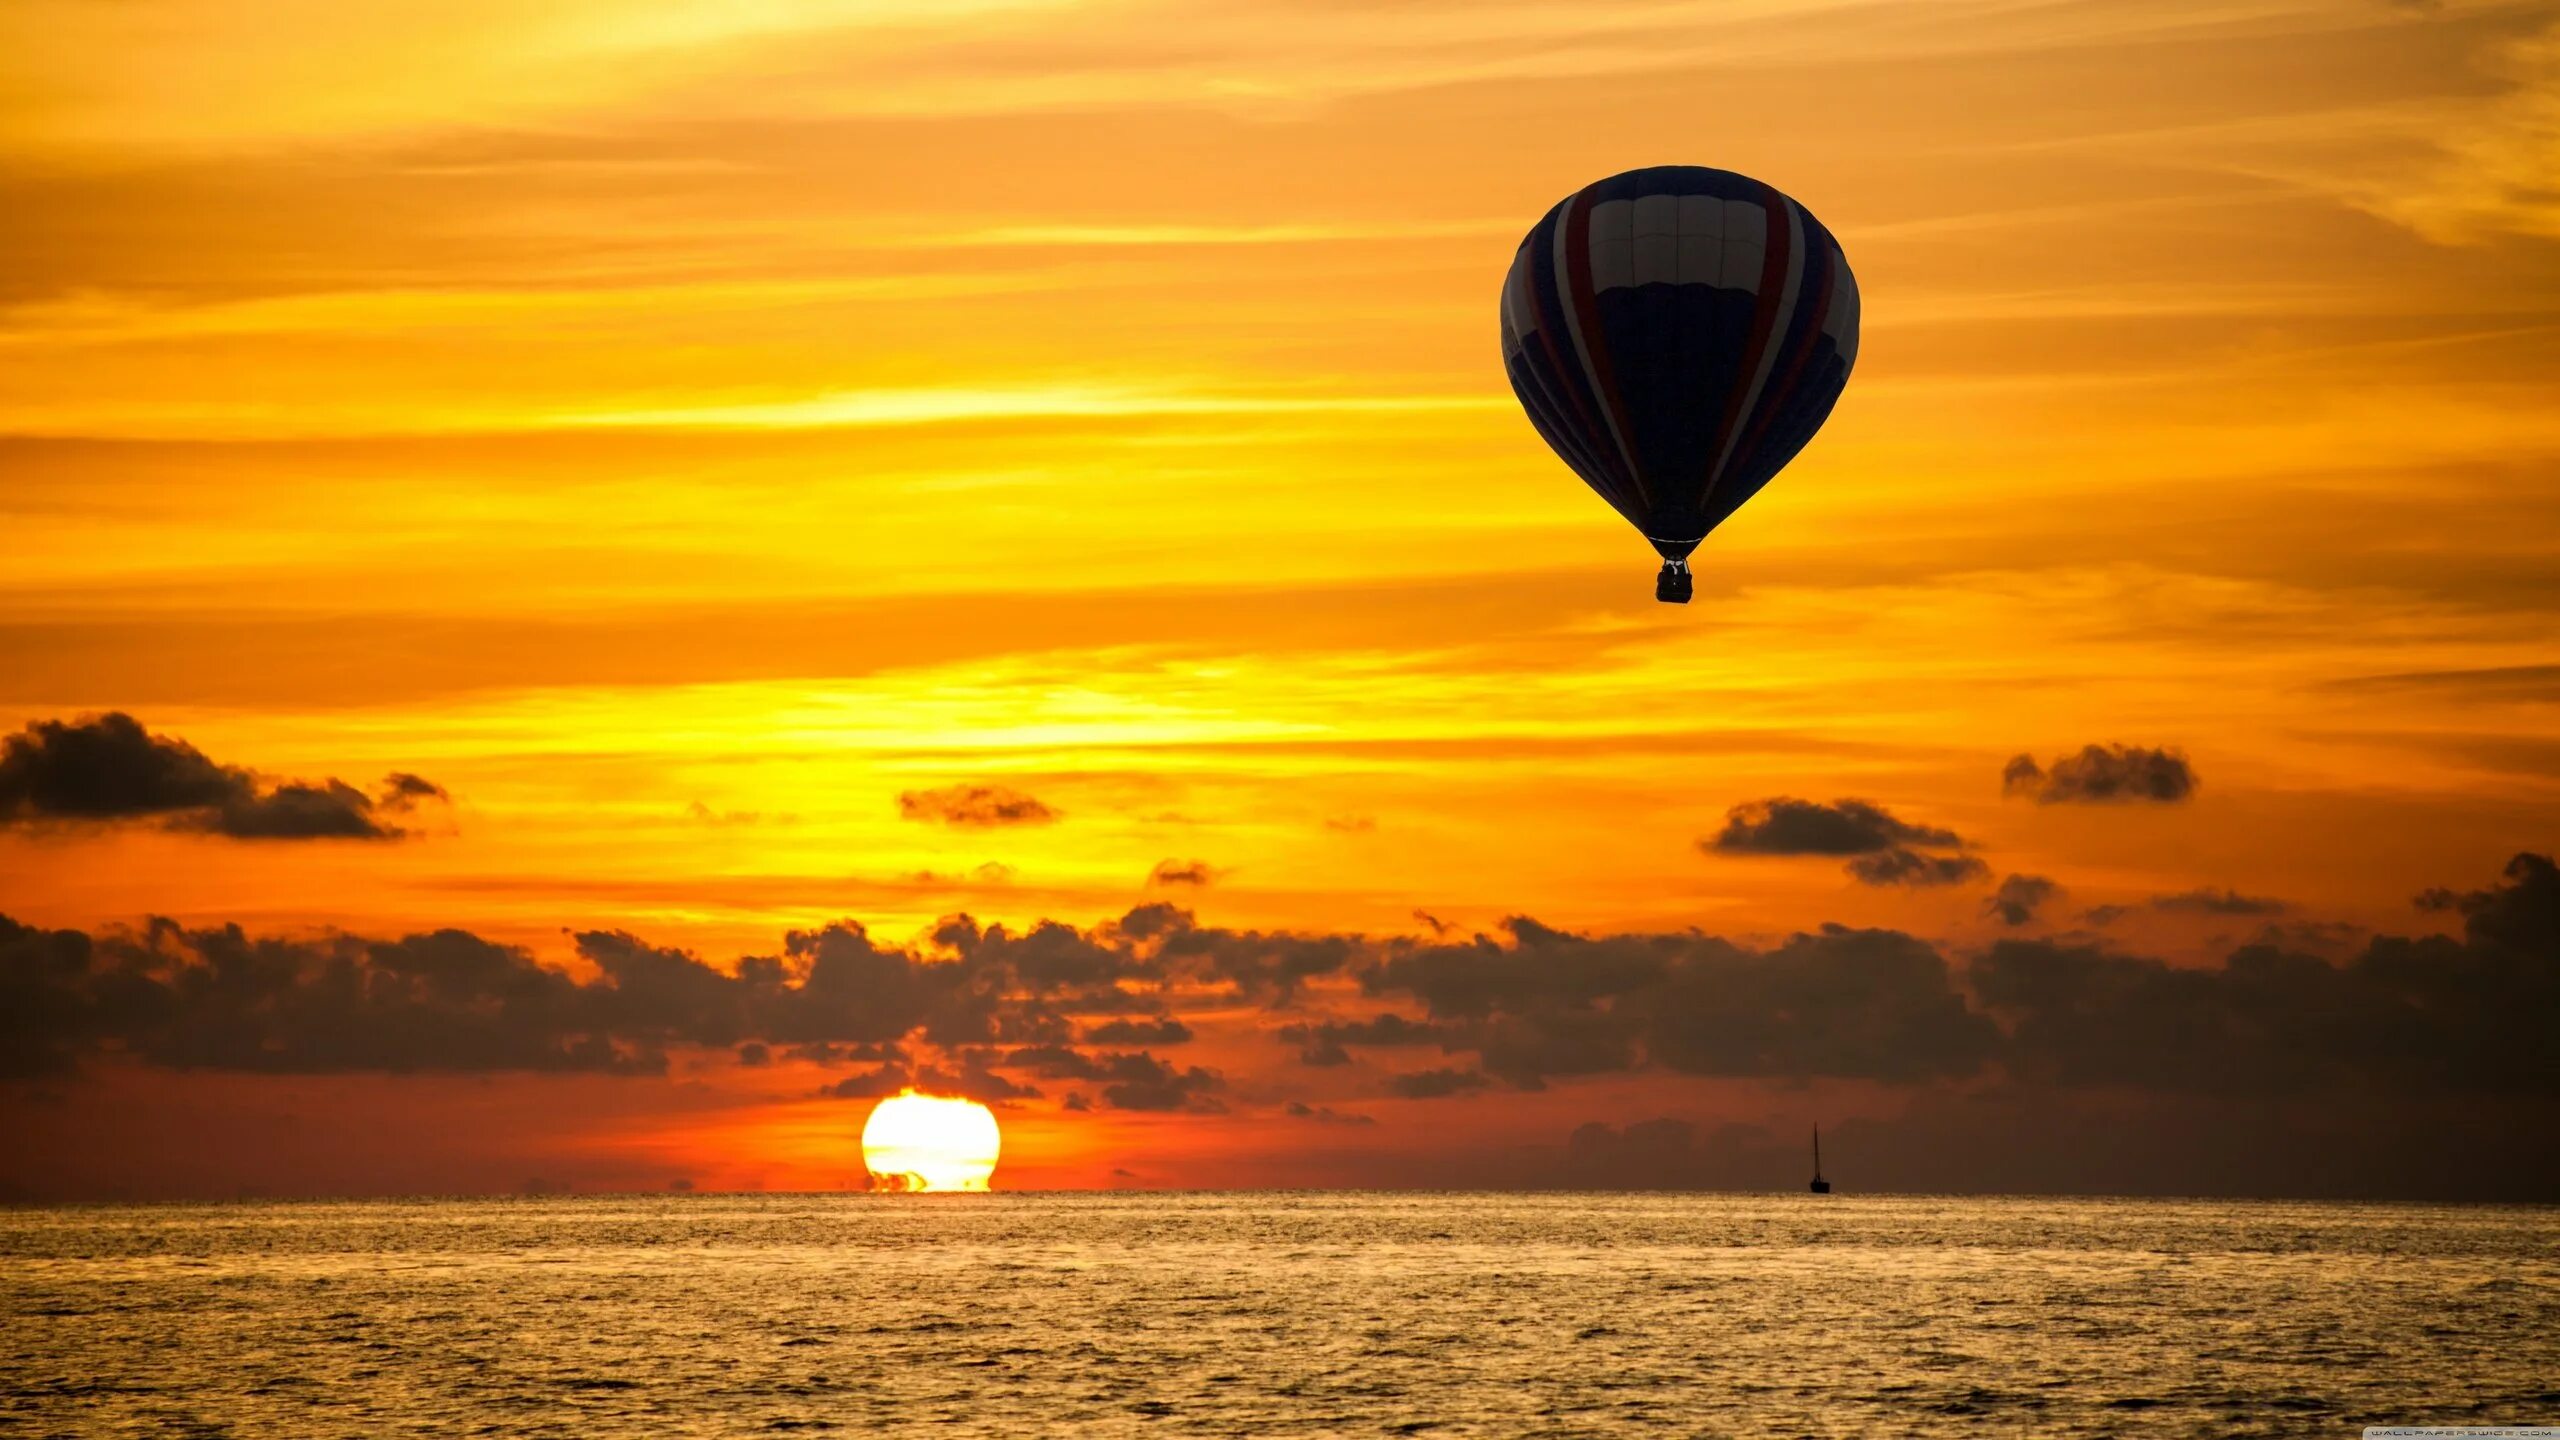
(556, 552)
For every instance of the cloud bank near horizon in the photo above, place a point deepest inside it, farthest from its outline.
(1531, 1006)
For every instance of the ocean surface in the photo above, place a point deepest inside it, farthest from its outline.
(1274, 1315)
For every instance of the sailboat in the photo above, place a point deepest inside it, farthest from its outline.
(1820, 1185)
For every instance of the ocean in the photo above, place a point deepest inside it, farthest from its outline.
(1275, 1314)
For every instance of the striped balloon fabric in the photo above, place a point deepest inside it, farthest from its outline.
(1677, 334)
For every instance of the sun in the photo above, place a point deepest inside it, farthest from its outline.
(928, 1142)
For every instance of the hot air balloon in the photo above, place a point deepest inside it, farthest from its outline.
(1677, 334)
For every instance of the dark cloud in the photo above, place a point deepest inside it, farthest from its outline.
(2103, 774)
(1322, 1042)
(1153, 920)
(1326, 1115)
(450, 1001)
(2521, 916)
(1541, 969)
(979, 805)
(1436, 1084)
(51, 1006)
(1163, 1030)
(1523, 1050)
(1882, 848)
(218, 999)
(1786, 826)
(1266, 968)
(1054, 1062)
(401, 790)
(2210, 901)
(2405, 1016)
(971, 1080)
(1049, 958)
(1142, 1082)
(1900, 866)
(107, 768)
(1195, 873)
(1129, 1080)
(2020, 897)
(986, 1006)
(829, 1053)
(1870, 1004)
(2206, 901)
(873, 1085)
(294, 810)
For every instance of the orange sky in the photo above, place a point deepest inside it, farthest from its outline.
(679, 431)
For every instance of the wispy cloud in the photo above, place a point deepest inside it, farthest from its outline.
(925, 407)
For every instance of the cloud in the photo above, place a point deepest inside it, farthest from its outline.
(1883, 849)
(2492, 174)
(975, 805)
(1142, 1082)
(873, 1085)
(108, 769)
(1326, 1115)
(1164, 1030)
(988, 873)
(2499, 683)
(1266, 968)
(1840, 1002)
(698, 813)
(1436, 1084)
(972, 1080)
(401, 790)
(2020, 896)
(2416, 1016)
(1129, 1080)
(2403, 1016)
(1899, 866)
(1322, 1042)
(1196, 873)
(2103, 774)
(2521, 916)
(294, 810)
(2204, 901)
(2209, 901)
(1787, 826)
(218, 999)
(1869, 1004)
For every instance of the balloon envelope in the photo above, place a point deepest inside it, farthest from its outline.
(1677, 334)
